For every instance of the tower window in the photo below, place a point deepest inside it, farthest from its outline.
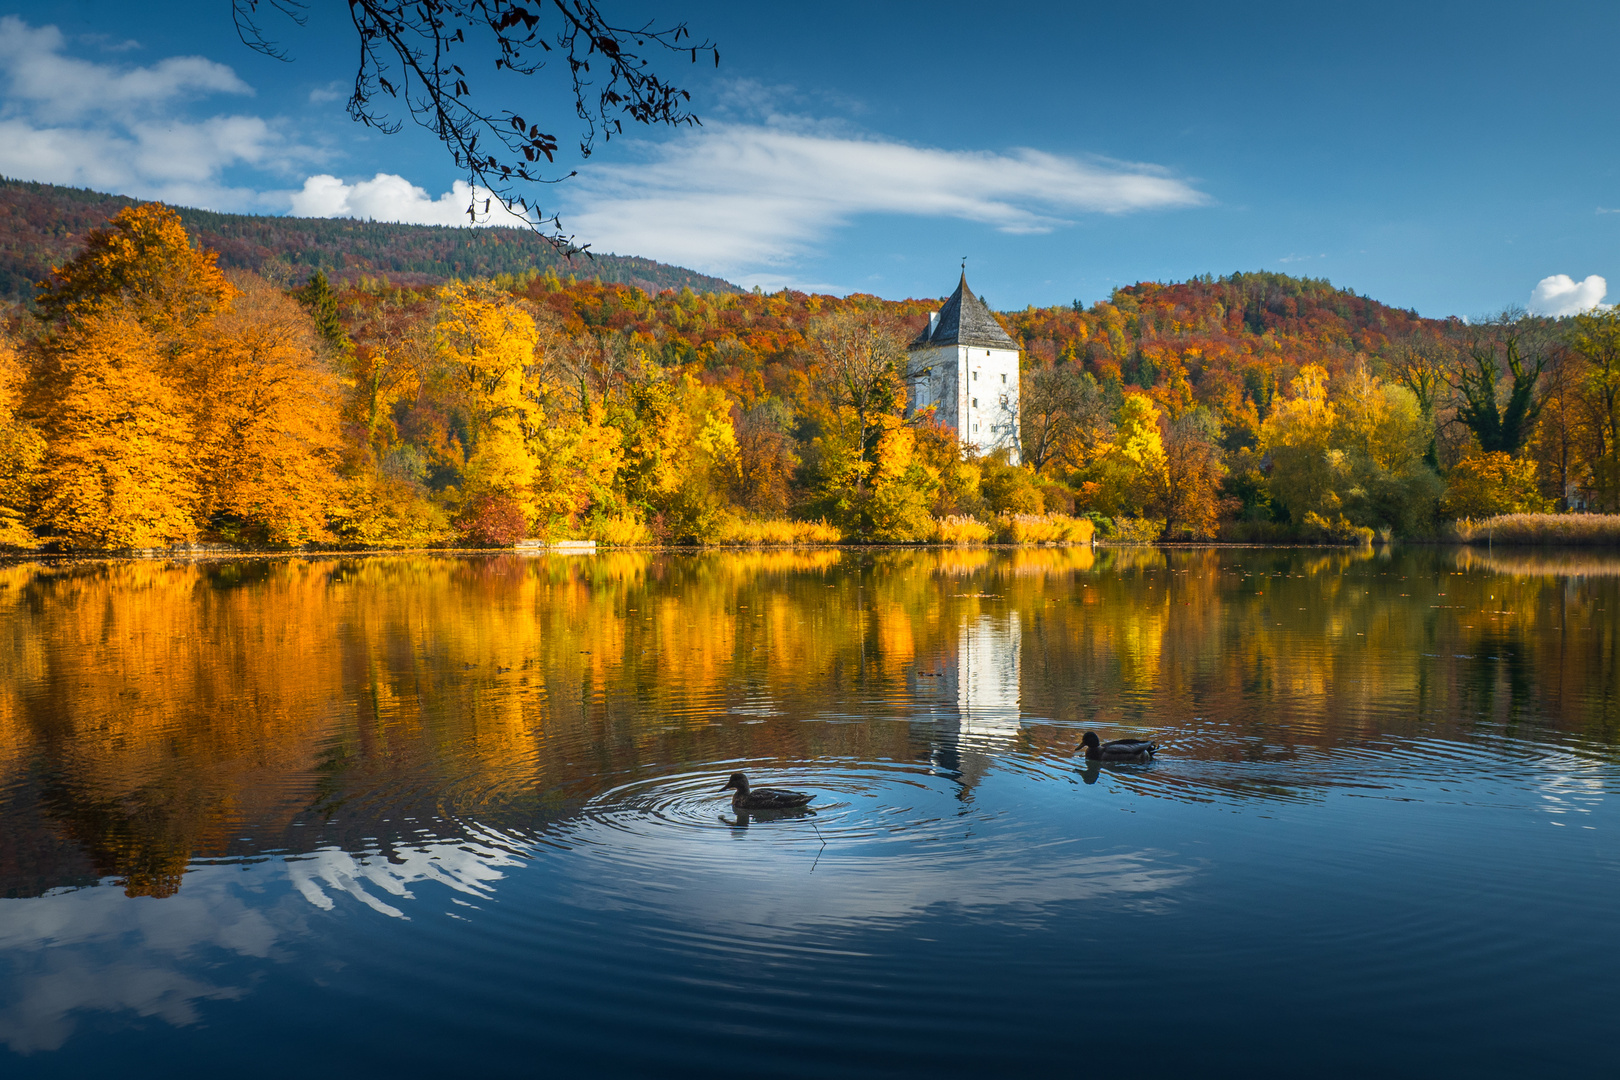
(975, 429)
(975, 376)
(1003, 378)
(975, 403)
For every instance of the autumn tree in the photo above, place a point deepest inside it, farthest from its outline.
(1007, 488)
(578, 482)
(1595, 340)
(680, 456)
(1486, 483)
(1123, 470)
(1422, 366)
(22, 450)
(116, 472)
(486, 346)
(263, 410)
(861, 359)
(1064, 415)
(868, 476)
(766, 458)
(1385, 437)
(1186, 490)
(145, 262)
(1306, 467)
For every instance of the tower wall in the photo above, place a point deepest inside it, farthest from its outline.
(974, 391)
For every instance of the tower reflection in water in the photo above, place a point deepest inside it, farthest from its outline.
(971, 697)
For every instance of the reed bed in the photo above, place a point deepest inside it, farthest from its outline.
(1043, 529)
(1128, 530)
(961, 529)
(1574, 530)
(776, 532)
(623, 531)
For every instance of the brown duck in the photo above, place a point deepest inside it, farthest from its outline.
(764, 798)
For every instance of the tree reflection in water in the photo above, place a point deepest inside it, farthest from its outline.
(248, 747)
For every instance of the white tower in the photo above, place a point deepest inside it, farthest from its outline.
(965, 366)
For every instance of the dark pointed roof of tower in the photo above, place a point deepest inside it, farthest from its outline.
(965, 320)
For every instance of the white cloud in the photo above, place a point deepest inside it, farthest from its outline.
(728, 197)
(119, 128)
(332, 91)
(387, 197)
(64, 87)
(1561, 294)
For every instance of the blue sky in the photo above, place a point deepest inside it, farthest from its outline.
(1446, 157)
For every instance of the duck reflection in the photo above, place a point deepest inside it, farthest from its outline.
(742, 818)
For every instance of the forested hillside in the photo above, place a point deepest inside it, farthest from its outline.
(41, 225)
(154, 399)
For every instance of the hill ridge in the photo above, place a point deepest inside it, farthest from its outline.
(42, 224)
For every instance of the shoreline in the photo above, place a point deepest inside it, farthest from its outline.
(228, 554)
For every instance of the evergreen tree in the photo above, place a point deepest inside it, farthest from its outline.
(321, 303)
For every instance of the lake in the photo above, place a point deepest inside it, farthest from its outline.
(432, 813)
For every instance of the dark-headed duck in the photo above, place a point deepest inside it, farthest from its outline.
(1118, 750)
(761, 798)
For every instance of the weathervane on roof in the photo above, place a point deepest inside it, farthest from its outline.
(964, 264)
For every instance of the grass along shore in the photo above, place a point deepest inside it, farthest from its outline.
(1549, 530)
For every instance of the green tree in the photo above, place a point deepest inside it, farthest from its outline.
(321, 303)
(1502, 417)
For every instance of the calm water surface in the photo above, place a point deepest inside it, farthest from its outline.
(420, 814)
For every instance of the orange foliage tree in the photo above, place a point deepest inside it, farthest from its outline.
(115, 472)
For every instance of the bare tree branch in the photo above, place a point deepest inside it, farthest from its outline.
(412, 51)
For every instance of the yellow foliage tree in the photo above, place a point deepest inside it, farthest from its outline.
(1307, 468)
(487, 342)
(579, 457)
(681, 455)
(1484, 484)
(902, 489)
(116, 472)
(1126, 468)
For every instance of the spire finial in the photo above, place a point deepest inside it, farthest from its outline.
(964, 264)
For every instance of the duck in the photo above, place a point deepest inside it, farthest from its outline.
(761, 798)
(1118, 750)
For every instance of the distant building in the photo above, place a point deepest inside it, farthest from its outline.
(965, 367)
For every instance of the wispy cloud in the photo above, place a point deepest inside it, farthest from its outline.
(126, 129)
(734, 197)
(1561, 295)
(332, 91)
